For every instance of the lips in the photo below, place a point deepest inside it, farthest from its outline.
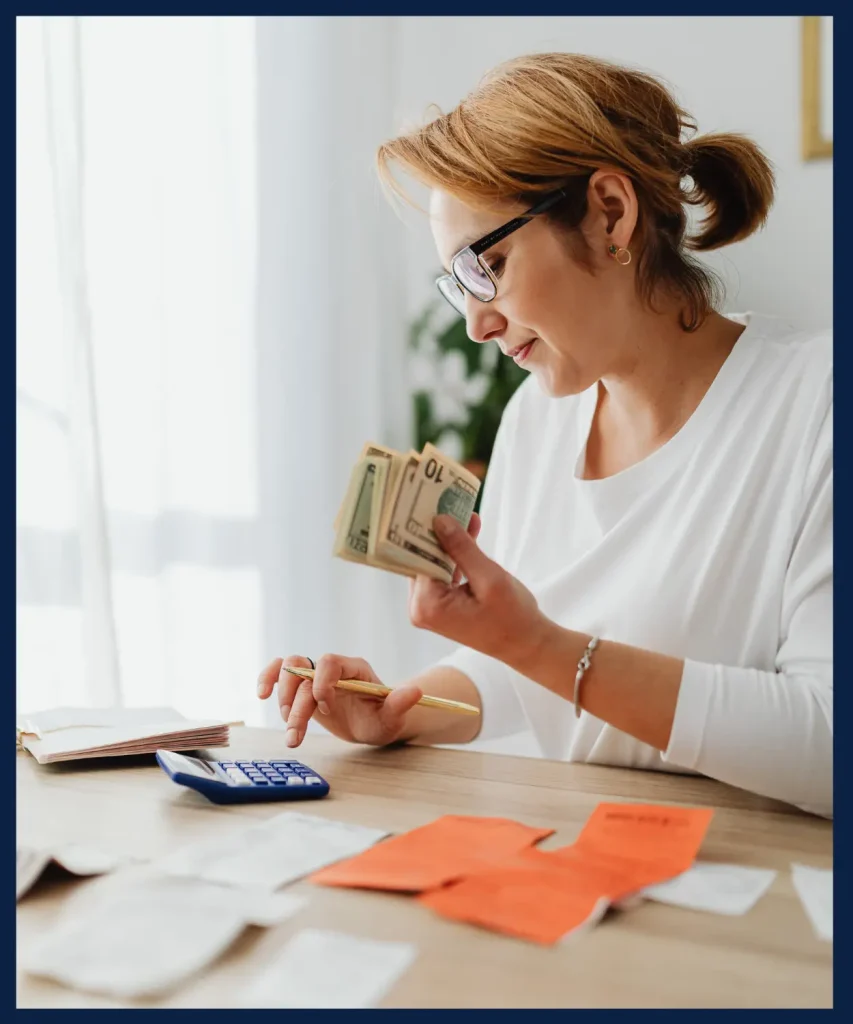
(519, 354)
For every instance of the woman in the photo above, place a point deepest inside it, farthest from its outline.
(653, 582)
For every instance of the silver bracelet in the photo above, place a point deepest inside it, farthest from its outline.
(583, 665)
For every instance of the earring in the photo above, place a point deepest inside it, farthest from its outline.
(622, 256)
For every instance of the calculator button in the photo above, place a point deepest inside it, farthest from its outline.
(259, 782)
(279, 764)
(245, 764)
(261, 764)
(294, 780)
(312, 780)
(227, 764)
(275, 777)
(240, 780)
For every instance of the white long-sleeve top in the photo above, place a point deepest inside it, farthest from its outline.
(716, 549)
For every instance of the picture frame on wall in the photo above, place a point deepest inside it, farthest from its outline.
(816, 87)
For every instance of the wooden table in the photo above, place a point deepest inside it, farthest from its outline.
(651, 956)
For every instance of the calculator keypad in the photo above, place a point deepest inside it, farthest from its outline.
(270, 773)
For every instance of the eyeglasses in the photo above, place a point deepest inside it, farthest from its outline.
(470, 273)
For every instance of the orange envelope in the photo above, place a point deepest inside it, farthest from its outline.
(430, 856)
(534, 899)
(659, 841)
(544, 896)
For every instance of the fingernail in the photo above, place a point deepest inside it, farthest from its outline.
(444, 525)
(322, 707)
(260, 689)
(285, 711)
(292, 737)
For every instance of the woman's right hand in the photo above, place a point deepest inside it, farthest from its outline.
(351, 716)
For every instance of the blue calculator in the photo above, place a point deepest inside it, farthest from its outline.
(241, 782)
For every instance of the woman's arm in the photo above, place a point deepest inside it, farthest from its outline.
(431, 725)
(766, 731)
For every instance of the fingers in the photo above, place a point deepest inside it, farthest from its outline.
(474, 525)
(268, 678)
(462, 548)
(301, 710)
(288, 684)
(308, 695)
(331, 668)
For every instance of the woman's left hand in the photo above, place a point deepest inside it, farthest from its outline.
(491, 611)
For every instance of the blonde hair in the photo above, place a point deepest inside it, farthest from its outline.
(549, 120)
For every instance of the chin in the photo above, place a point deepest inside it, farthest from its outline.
(556, 385)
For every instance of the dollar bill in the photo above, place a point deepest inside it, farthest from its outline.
(353, 534)
(371, 450)
(386, 516)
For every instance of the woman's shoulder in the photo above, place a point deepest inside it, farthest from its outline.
(785, 349)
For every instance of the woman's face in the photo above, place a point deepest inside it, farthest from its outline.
(574, 316)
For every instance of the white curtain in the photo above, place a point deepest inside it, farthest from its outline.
(331, 333)
(208, 329)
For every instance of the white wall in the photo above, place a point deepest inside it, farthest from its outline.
(732, 74)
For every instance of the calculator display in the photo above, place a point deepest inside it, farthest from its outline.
(189, 765)
(202, 766)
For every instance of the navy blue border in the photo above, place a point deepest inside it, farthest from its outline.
(843, 257)
(490, 8)
(843, 549)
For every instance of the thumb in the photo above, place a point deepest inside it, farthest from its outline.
(462, 548)
(395, 706)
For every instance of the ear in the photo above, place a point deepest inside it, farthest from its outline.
(612, 210)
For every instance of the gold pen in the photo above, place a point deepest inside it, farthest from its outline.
(381, 691)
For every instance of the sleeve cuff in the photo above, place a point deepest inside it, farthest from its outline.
(691, 714)
(502, 712)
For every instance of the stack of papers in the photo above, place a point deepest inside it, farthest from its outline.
(67, 734)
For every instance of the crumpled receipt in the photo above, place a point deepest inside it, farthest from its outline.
(139, 936)
(76, 858)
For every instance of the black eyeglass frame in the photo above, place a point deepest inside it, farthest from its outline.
(476, 249)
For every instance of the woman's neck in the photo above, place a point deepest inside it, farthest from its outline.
(655, 389)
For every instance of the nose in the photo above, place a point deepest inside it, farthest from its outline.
(482, 321)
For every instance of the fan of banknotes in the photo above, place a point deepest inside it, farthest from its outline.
(386, 516)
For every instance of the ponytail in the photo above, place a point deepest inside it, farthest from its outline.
(733, 180)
